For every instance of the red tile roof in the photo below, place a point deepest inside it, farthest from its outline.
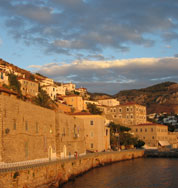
(27, 79)
(130, 103)
(5, 90)
(81, 113)
(147, 124)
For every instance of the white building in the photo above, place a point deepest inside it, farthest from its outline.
(109, 102)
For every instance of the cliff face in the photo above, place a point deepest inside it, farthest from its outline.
(158, 98)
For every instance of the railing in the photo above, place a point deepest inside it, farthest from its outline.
(5, 167)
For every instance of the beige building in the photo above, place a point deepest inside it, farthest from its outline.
(54, 90)
(75, 101)
(4, 78)
(28, 87)
(108, 102)
(97, 134)
(69, 86)
(128, 114)
(69, 136)
(44, 81)
(50, 90)
(27, 131)
(155, 135)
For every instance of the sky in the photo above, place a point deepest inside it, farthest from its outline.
(103, 45)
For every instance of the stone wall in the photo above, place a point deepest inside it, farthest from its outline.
(69, 136)
(61, 171)
(27, 131)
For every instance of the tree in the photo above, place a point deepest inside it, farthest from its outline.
(120, 135)
(43, 99)
(14, 84)
(93, 109)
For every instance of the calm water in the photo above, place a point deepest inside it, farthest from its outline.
(138, 173)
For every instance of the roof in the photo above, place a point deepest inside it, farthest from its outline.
(150, 124)
(81, 113)
(130, 103)
(5, 90)
(164, 143)
(27, 80)
(71, 96)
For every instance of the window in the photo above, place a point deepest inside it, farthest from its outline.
(145, 130)
(26, 149)
(120, 109)
(26, 125)
(127, 109)
(151, 129)
(140, 130)
(37, 127)
(91, 122)
(153, 137)
(91, 145)
(106, 132)
(14, 124)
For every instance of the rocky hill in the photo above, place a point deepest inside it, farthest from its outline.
(158, 98)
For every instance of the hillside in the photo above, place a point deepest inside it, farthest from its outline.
(158, 98)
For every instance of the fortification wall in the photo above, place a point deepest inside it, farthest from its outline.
(60, 171)
(27, 131)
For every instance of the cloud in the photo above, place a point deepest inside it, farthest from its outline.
(115, 75)
(66, 26)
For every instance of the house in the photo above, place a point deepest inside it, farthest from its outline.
(4, 78)
(69, 86)
(44, 81)
(97, 134)
(51, 90)
(128, 114)
(108, 102)
(28, 87)
(75, 101)
(154, 135)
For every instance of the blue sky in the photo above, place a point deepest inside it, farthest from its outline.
(103, 45)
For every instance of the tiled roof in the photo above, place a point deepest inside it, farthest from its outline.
(130, 103)
(27, 80)
(148, 124)
(5, 90)
(81, 113)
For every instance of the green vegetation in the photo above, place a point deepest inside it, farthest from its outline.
(43, 100)
(14, 84)
(120, 136)
(93, 109)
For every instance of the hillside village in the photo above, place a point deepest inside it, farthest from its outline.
(69, 123)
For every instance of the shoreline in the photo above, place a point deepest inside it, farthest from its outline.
(60, 172)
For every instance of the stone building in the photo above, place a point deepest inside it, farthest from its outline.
(97, 134)
(108, 102)
(155, 135)
(54, 90)
(51, 90)
(69, 86)
(27, 131)
(28, 87)
(69, 136)
(76, 102)
(128, 114)
(3, 78)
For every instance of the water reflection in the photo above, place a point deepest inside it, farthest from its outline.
(139, 173)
